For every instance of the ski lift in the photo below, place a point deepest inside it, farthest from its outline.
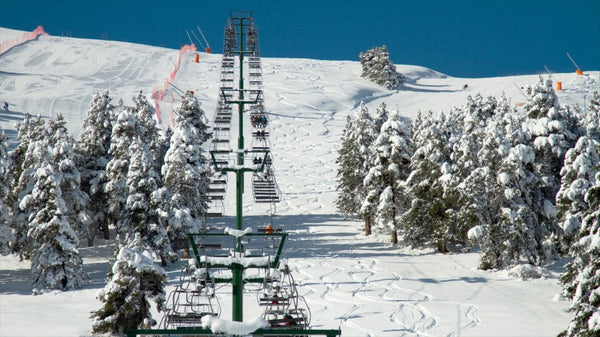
(193, 298)
(284, 307)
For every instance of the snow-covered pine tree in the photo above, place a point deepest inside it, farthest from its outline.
(464, 184)
(377, 67)
(25, 159)
(56, 263)
(150, 132)
(140, 220)
(394, 149)
(554, 130)
(62, 158)
(482, 187)
(581, 282)
(133, 282)
(424, 223)
(381, 116)
(578, 176)
(92, 157)
(541, 98)
(522, 231)
(7, 236)
(123, 134)
(353, 155)
(186, 172)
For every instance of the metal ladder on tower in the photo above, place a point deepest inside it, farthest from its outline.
(222, 125)
(264, 185)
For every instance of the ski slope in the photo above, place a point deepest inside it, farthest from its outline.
(361, 284)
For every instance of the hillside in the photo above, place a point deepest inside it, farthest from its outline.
(361, 284)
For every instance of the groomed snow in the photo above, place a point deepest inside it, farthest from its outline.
(360, 284)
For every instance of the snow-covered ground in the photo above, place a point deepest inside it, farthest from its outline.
(361, 284)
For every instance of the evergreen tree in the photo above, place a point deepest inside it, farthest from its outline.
(377, 67)
(465, 188)
(353, 156)
(133, 282)
(522, 230)
(381, 116)
(541, 99)
(25, 159)
(581, 174)
(393, 152)
(123, 135)
(424, 223)
(484, 189)
(186, 172)
(554, 130)
(581, 282)
(7, 236)
(62, 158)
(140, 218)
(56, 263)
(578, 176)
(92, 157)
(149, 130)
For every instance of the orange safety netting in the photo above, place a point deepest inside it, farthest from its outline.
(8, 44)
(159, 93)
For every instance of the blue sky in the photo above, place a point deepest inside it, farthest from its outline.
(463, 38)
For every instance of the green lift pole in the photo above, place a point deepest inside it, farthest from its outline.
(238, 271)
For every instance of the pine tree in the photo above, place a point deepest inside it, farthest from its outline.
(377, 67)
(92, 157)
(581, 175)
(140, 220)
(581, 282)
(521, 229)
(578, 176)
(133, 282)
(56, 263)
(25, 159)
(484, 188)
(186, 171)
(554, 130)
(464, 183)
(393, 152)
(353, 156)
(381, 116)
(123, 134)
(63, 159)
(541, 99)
(149, 130)
(424, 223)
(7, 236)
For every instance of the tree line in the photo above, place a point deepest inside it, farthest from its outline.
(520, 185)
(123, 173)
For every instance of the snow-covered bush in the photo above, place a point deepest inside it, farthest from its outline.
(526, 271)
(133, 282)
(377, 67)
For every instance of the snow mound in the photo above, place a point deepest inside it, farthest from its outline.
(217, 325)
(417, 72)
(526, 271)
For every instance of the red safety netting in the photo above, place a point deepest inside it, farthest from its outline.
(8, 44)
(159, 93)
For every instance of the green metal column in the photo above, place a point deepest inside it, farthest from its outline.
(238, 271)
